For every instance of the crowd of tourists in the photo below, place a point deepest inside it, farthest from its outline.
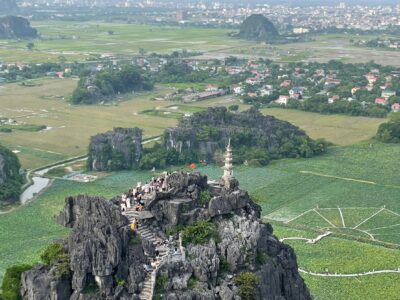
(136, 196)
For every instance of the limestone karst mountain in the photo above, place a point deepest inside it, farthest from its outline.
(259, 28)
(12, 27)
(115, 150)
(196, 239)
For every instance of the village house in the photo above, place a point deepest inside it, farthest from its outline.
(371, 78)
(331, 83)
(333, 99)
(252, 80)
(296, 90)
(387, 93)
(212, 88)
(355, 89)
(237, 89)
(267, 90)
(381, 101)
(282, 100)
(396, 107)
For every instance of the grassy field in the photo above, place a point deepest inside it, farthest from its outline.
(88, 40)
(338, 129)
(46, 104)
(322, 49)
(69, 126)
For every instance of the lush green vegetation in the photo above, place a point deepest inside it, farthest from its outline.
(160, 286)
(199, 233)
(12, 282)
(205, 197)
(10, 178)
(108, 83)
(390, 132)
(13, 27)
(22, 127)
(247, 283)
(52, 254)
(251, 134)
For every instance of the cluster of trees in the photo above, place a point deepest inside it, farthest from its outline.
(10, 178)
(180, 72)
(108, 83)
(390, 132)
(159, 157)
(319, 103)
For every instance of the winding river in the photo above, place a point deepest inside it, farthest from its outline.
(39, 183)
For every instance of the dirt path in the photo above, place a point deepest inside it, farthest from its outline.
(349, 275)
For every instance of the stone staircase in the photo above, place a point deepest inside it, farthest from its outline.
(145, 232)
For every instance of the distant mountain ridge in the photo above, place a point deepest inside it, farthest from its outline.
(8, 7)
(259, 28)
(12, 27)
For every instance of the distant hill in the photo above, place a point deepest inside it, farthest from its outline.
(259, 28)
(10, 178)
(8, 7)
(12, 27)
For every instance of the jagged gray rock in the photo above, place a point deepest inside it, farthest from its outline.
(100, 250)
(115, 150)
(101, 253)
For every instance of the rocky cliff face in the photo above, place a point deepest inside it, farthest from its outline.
(8, 7)
(115, 150)
(243, 243)
(102, 252)
(207, 133)
(10, 177)
(12, 27)
(214, 241)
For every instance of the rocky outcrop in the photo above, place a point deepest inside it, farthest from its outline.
(257, 136)
(8, 7)
(215, 235)
(12, 27)
(11, 178)
(243, 244)
(104, 259)
(115, 150)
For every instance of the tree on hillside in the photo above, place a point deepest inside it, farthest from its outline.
(390, 132)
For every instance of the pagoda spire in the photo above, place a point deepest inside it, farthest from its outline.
(228, 167)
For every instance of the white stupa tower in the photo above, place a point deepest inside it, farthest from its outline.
(228, 167)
